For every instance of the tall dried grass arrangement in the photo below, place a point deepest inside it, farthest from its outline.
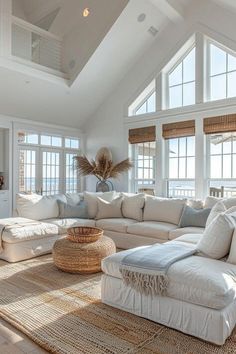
(103, 167)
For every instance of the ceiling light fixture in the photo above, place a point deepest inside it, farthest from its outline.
(141, 17)
(86, 12)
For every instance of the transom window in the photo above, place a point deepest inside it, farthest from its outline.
(148, 106)
(181, 167)
(222, 73)
(181, 82)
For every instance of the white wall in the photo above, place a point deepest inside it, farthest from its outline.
(106, 127)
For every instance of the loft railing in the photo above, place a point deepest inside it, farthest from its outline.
(35, 45)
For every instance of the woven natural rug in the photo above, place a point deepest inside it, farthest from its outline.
(63, 314)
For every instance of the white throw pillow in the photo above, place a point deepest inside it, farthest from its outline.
(195, 203)
(163, 209)
(232, 252)
(38, 207)
(217, 209)
(90, 200)
(211, 201)
(107, 209)
(132, 206)
(216, 239)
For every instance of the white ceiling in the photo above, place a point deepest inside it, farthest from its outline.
(228, 4)
(35, 98)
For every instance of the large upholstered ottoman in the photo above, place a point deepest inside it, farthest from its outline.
(200, 299)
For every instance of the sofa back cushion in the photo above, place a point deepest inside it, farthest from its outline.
(164, 210)
(38, 207)
(217, 209)
(132, 206)
(106, 210)
(91, 202)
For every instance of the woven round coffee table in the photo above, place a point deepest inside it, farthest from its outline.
(83, 258)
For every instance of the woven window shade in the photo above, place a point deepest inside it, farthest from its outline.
(142, 135)
(221, 124)
(178, 130)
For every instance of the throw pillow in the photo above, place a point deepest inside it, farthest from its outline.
(195, 203)
(217, 209)
(132, 206)
(91, 201)
(72, 211)
(211, 201)
(38, 207)
(194, 217)
(216, 239)
(232, 252)
(108, 210)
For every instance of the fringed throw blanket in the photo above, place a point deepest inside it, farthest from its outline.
(145, 269)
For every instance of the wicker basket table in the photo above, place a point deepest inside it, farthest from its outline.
(83, 258)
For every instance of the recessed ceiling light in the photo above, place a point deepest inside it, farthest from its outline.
(141, 17)
(153, 31)
(86, 12)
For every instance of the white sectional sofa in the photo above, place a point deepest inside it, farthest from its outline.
(38, 224)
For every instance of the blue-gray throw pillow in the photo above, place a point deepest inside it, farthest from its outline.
(72, 211)
(194, 217)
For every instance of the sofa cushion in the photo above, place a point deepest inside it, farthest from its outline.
(217, 237)
(215, 211)
(64, 224)
(132, 206)
(190, 238)
(21, 229)
(74, 198)
(38, 207)
(115, 224)
(198, 280)
(185, 230)
(211, 201)
(194, 217)
(164, 210)
(91, 201)
(153, 229)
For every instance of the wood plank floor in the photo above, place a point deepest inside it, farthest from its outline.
(13, 341)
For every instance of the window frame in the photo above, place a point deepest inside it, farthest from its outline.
(177, 63)
(208, 76)
(145, 100)
(167, 164)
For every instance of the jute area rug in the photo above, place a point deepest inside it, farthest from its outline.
(63, 314)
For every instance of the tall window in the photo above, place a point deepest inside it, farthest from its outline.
(222, 158)
(46, 163)
(222, 73)
(181, 82)
(144, 165)
(181, 167)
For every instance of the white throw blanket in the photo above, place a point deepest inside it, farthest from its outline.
(145, 269)
(17, 222)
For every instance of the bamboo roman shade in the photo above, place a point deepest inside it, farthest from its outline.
(142, 135)
(178, 130)
(220, 124)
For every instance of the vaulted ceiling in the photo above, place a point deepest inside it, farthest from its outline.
(102, 48)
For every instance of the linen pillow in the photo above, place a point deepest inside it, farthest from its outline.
(211, 201)
(132, 206)
(215, 211)
(72, 211)
(73, 198)
(91, 201)
(194, 217)
(232, 252)
(38, 207)
(216, 239)
(108, 210)
(163, 209)
(195, 203)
